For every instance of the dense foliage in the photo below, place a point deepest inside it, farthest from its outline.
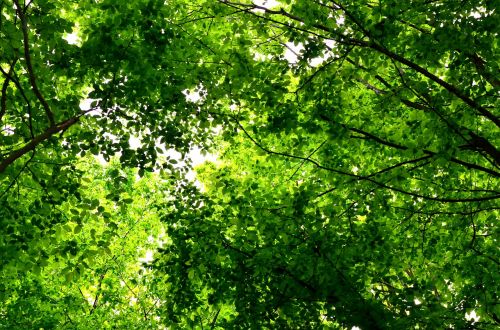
(357, 180)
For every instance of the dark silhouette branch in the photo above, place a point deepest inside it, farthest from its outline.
(32, 144)
(375, 138)
(84, 299)
(343, 39)
(214, 320)
(340, 38)
(18, 174)
(29, 66)
(450, 88)
(390, 168)
(365, 178)
(308, 157)
(96, 299)
(5, 85)
(15, 80)
(480, 65)
(322, 68)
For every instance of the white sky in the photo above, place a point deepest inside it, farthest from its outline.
(195, 154)
(267, 3)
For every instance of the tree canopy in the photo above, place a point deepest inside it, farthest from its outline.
(357, 175)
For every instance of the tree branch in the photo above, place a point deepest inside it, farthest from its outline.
(18, 174)
(31, 145)
(402, 147)
(5, 85)
(323, 67)
(450, 88)
(96, 299)
(343, 39)
(480, 65)
(29, 66)
(366, 178)
(84, 299)
(214, 320)
(340, 38)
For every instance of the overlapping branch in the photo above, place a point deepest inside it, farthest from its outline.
(370, 136)
(371, 44)
(369, 177)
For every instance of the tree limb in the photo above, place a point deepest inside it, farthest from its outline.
(214, 320)
(365, 178)
(32, 144)
(29, 66)
(5, 85)
(402, 147)
(341, 38)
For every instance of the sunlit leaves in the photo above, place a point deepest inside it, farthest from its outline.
(356, 183)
